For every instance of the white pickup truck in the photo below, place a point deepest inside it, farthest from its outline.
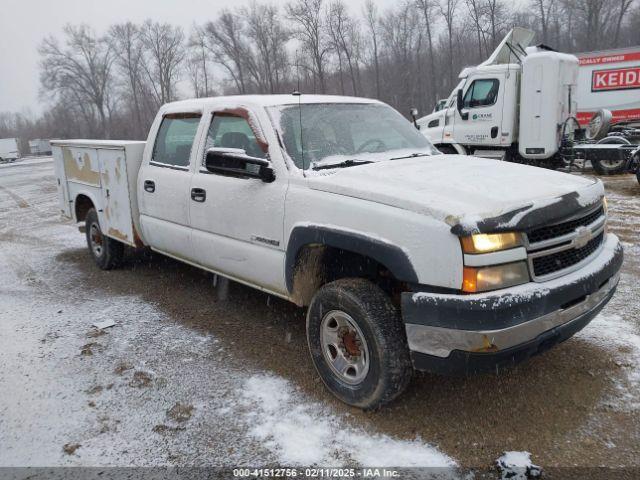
(405, 258)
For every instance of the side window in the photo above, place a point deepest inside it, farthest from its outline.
(481, 93)
(233, 132)
(175, 139)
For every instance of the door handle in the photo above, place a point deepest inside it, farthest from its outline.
(198, 195)
(149, 186)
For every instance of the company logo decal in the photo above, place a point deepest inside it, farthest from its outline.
(615, 79)
(482, 116)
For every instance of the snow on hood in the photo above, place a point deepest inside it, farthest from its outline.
(463, 191)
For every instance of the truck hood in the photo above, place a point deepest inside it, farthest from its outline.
(468, 193)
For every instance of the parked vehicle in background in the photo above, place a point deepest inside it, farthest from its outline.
(39, 147)
(9, 150)
(609, 79)
(405, 258)
(442, 103)
(521, 105)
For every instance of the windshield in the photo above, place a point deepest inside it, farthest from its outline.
(346, 134)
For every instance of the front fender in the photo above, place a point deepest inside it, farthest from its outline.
(394, 258)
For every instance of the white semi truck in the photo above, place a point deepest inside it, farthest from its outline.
(521, 105)
(405, 258)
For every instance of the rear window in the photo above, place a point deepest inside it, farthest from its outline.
(175, 139)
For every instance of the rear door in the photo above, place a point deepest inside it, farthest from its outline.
(164, 185)
(482, 101)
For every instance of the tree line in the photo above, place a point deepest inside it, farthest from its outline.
(110, 84)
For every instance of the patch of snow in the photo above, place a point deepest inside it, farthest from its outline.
(517, 466)
(612, 329)
(300, 432)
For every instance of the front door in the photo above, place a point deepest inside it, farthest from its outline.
(164, 186)
(482, 107)
(238, 221)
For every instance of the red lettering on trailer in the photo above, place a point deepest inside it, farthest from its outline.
(615, 58)
(615, 79)
(618, 116)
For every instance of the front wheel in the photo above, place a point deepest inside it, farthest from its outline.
(106, 252)
(358, 343)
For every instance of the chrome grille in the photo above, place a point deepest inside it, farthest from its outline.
(549, 264)
(558, 249)
(553, 231)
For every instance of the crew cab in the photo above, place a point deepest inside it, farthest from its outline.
(405, 258)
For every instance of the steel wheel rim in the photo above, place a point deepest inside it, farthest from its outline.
(95, 238)
(344, 347)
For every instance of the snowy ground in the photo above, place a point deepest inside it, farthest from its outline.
(184, 379)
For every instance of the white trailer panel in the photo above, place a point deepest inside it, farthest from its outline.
(106, 173)
(9, 150)
(609, 79)
(39, 146)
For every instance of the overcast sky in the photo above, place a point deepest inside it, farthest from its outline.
(23, 24)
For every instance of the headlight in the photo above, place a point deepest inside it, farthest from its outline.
(482, 279)
(490, 242)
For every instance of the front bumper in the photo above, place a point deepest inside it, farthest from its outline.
(474, 333)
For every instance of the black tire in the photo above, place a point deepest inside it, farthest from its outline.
(111, 252)
(638, 175)
(389, 367)
(608, 167)
(447, 150)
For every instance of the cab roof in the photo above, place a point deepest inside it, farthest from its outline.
(265, 100)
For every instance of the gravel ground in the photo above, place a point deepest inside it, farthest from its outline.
(184, 378)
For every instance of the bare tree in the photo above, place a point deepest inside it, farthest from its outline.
(226, 41)
(372, 22)
(198, 62)
(623, 11)
(343, 31)
(544, 9)
(127, 45)
(80, 71)
(165, 50)
(495, 13)
(269, 38)
(427, 8)
(477, 16)
(306, 15)
(448, 10)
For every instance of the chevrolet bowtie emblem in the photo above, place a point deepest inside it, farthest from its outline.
(583, 236)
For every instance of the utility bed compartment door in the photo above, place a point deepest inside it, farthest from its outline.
(116, 216)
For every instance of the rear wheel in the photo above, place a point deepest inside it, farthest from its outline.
(610, 166)
(358, 343)
(106, 252)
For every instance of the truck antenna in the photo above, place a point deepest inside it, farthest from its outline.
(299, 95)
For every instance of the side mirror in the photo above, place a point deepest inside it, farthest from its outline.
(235, 162)
(459, 102)
(414, 116)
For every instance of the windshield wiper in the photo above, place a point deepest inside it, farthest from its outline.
(413, 155)
(351, 162)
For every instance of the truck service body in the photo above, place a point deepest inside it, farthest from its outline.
(405, 258)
